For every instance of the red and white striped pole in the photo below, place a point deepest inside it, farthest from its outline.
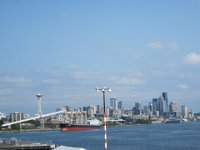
(104, 110)
(105, 133)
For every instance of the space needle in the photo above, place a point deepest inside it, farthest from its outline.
(39, 96)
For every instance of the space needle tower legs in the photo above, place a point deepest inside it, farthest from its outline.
(39, 96)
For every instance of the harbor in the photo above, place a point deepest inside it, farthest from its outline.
(184, 136)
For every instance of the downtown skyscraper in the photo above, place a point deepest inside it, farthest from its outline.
(160, 105)
(166, 105)
(113, 102)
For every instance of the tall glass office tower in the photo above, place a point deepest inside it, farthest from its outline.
(113, 102)
(164, 95)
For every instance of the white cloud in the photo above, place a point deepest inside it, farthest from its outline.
(14, 80)
(50, 81)
(72, 66)
(127, 80)
(160, 45)
(82, 75)
(157, 45)
(183, 86)
(130, 79)
(192, 59)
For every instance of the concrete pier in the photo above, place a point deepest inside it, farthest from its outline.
(14, 144)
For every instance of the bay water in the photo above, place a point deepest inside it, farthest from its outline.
(185, 136)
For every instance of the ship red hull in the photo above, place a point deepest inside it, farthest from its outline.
(72, 127)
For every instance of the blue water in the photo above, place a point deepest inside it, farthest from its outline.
(140, 137)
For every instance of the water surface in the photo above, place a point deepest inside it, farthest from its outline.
(139, 137)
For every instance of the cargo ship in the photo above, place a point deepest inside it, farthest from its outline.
(92, 125)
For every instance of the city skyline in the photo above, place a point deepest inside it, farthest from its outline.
(64, 49)
(160, 104)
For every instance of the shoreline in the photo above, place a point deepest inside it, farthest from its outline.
(58, 129)
(29, 130)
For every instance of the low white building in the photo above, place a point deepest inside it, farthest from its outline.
(2, 115)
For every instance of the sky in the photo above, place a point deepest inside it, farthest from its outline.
(65, 49)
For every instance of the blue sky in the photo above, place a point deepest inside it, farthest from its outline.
(64, 49)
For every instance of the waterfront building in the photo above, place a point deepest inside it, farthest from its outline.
(80, 109)
(120, 105)
(113, 102)
(115, 113)
(67, 108)
(184, 111)
(146, 111)
(2, 115)
(81, 118)
(190, 115)
(99, 110)
(137, 109)
(107, 111)
(73, 117)
(157, 113)
(138, 105)
(128, 113)
(16, 116)
(173, 108)
(91, 111)
(155, 103)
(135, 117)
(150, 106)
(85, 109)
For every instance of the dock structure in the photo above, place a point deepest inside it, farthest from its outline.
(14, 144)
